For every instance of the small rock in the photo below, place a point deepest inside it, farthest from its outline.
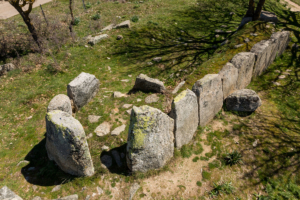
(152, 98)
(56, 188)
(117, 158)
(88, 197)
(84, 188)
(231, 13)
(247, 40)
(277, 71)
(6, 68)
(99, 190)
(23, 162)
(125, 24)
(268, 26)
(133, 190)
(60, 102)
(276, 83)
(139, 100)
(119, 95)
(103, 129)
(255, 143)
(106, 148)
(108, 28)
(106, 160)
(119, 37)
(93, 118)
(223, 26)
(34, 187)
(129, 111)
(149, 63)
(115, 110)
(118, 130)
(238, 46)
(71, 197)
(97, 39)
(126, 106)
(288, 70)
(125, 80)
(282, 77)
(147, 84)
(28, 118)
(37, 198)
(217, 36)
(89, 136)
(157, 59)
(178, 87)
(130, 75)
(253, 34)
(219, 31)
(286, 73)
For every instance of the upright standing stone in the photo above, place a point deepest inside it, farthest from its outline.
(60, 102)
(147, 84)
(7, 194)
(264, 51)
(150, 142)
(82, 89)
(282, 40)
(244, 62)
(210, 97)
(229, 75)
(185, 114)
(66, 144)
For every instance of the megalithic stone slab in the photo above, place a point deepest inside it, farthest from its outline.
(210, 97)
(244, 62)
(66, 144)
(150, 142)
(82, 89)
(229, 75)
(60, 102)
(282, 39)
(147, 84)
(185, 114)
(264, 51)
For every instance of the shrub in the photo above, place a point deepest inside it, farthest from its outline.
(135, 19)
(88, 5)
(76, 21)
(218, 189)
(186, 151)
(204, 158)
(136, 6)
(233, 158)
(199, 183)
(196, 159)
(96, 16)
(206, 175)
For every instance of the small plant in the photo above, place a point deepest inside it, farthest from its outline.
(206, 175)
(76, 21)
(199, 183)
(96, 16)
(88, 5)
(136, 6)
(186, 151)
(204, 158)
(222, 188)
(113, 184)
(196, 159)
(233, 158)
(135, 18)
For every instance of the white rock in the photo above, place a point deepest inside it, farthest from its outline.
(60, 102)
(126, 106)
(93, 118)
(7, 194)
(152, 98)
(106, 148)
(97, 39)
(178, 87)
(117, 131)
(103, 129)
(125, 24)
(56, 188)
(119, 95)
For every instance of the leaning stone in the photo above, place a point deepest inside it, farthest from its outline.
(244, 62)
(6, 68)
(185, 114)
(282, 39)
(117, 158)
(7, 194)
(97, 39)
(117, 131)
(263, 51)
(125, 24)
(147, 84)
(93, 118)
(60, 102)
(66, 144)
(152, 98)
(178, 87)
(71, 197)
(133, 190)
(268, 17)
(229, 76)
(210, 97)
(82, 89)
(106, 160)
(243, 100)
(103, 129)
(150, 139)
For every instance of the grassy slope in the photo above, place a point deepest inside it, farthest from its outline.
(24, 95)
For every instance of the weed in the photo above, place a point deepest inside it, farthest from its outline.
(196, 159)
(88, 5)
(204, 158)
(221, 188)
(233, 158)
(199, 183)
(96, 16)
(136, 6)
(206, 175)
(135, 18)
(214, 164)
(76, 21)
(186, 151)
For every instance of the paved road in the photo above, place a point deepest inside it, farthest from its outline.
(7, 11)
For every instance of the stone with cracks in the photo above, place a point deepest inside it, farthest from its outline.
(66, 144)
(150, 142)
(94, 40)
(185, 114)
(147, 84)
(6, 68)
(7, 194)
(244, 62)
(268, 17)
(264, 51)
(82, 89)
(229, 75)
(243, 100)
(210, 97)
(60, 102)
(282, 39)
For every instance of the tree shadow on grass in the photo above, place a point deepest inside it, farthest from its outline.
(41, 171)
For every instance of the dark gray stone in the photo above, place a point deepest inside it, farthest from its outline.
(147, 84)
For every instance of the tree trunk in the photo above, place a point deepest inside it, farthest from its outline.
(258, 10)
(251, 9)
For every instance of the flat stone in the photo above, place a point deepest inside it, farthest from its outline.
(93, 118)
(6, 68)
(106, 148)
(99, 190)
(7, 194)
(125, 24)
(152, 98)
(66, 144)
(268, 17)
(106, 160)
(277, 71)
(117, 131)
(147, 84)
(210, 97)
(282, 77)
(229, 76)
(276, 83)
(179, 86)
(247, 40)
(71, 197)
(244, 62)
(103, 129)
(129, 111)
(157, 59)
(238, 46)
(83, 89)
(138, 100)
(119, 37)
(56, 188)
(119, 94)
(133, 190)
(125, 80)
(108, 28)
(127, 106)
(89, 136)
(253, 34)
(150, 139)
(97, 39)
(60, 102)
(117, 158)
(186, 119)
(244, 100)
